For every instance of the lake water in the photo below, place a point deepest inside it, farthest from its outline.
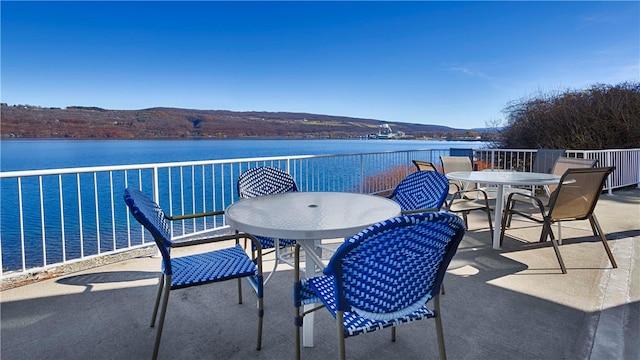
(52, 154)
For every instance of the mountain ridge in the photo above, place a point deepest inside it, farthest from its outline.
(82, 122)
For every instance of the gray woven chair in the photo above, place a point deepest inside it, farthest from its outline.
(383, 277)
(193, 270)
(574, 199)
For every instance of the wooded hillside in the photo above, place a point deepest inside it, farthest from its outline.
(23, 121)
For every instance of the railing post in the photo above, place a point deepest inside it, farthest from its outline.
(609, 162)
(493, 159)
(361, 174)
(156, 187)
(637, 153)
(156, 198)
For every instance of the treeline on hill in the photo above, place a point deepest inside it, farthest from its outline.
(602, 117)
(25, 121)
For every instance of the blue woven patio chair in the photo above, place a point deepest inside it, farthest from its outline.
(198, 269)
(384, 276)
(421, 191)
(262, 181)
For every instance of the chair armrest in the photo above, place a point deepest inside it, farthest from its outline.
(517, 196)
(419, 211)
(193, 216)
(457, 184)
(460, 193)
(218, 238)
(511, 200)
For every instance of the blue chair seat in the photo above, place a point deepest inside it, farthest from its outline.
(218, 265)
(354, 324)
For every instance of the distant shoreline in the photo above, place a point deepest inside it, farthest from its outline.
(182, 124)
(230, 139)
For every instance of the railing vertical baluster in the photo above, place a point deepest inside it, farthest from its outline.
(213, 194)
(126, 185)
(95, 192)
(608, 183)
(170, 192)
(22, 248)
(361, 173)
(64, 245)
(182, 196)
(193, 196)
(80, 215)
(224, 204)
(42, 226)
(637, 163)
(113, 211)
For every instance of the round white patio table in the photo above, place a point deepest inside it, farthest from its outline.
(309, 217)
(503, 178)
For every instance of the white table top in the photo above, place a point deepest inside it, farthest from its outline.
(504, 177)
(309, 215)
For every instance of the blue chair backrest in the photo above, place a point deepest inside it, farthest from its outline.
(152, 217)
(394, 267)
(264, 180)
(421, 190)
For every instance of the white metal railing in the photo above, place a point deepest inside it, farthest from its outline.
(625, 161)
(58, 216)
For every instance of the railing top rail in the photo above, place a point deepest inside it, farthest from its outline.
(90, 169)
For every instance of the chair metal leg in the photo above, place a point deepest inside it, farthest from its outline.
(508, 222)
(341, 346)
(159, 293)
(163, 311)
(260, 321)
(441, 348)
(296, 281)
(490, 222)
(239, 290)
(297, 327)
(596, 227)
(503, 223)
(464, 216)
(393, 334)
(544, 234)
(554, 242)
(276, 244)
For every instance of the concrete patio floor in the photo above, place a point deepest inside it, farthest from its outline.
(512, 303)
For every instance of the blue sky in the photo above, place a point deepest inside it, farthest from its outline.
(447, 63)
